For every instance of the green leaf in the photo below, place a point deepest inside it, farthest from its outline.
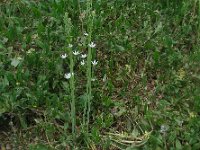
(2, 110)
(65, 86)
(23, 122)
(178, 145)
(5, 82)
(159, 27)
(120, 48)
(15, 62)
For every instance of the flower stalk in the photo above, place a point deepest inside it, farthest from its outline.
(72, 93)
(87, 105)
(68, 31)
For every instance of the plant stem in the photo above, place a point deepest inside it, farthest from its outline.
(68, 31)
(89, 67)
(72, 88)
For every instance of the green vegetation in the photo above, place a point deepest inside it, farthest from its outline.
(102, 74)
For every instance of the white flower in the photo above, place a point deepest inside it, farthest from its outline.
(86, 34)
(68, 75)
(93, 79)
(164, 128)
(63, 56)
(94, 62)
(70, 45)
(76, 53)
(83, 56)
(82, 63)
(92, 45)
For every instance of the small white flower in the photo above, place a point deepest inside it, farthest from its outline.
(68, 75)
(63, 56)
(92, 45)
(94, 62)
(83, 55)
(93, 79)
(82, 63)
(70, 45)
(164, 128)
(76, 53)
(86, 34)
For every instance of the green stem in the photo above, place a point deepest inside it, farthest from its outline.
(89, 67)
(72, 88)
(89, 87)
(68, 31)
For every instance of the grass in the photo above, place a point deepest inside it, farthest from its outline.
(142, 94)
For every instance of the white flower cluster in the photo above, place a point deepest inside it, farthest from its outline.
(83, 56)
